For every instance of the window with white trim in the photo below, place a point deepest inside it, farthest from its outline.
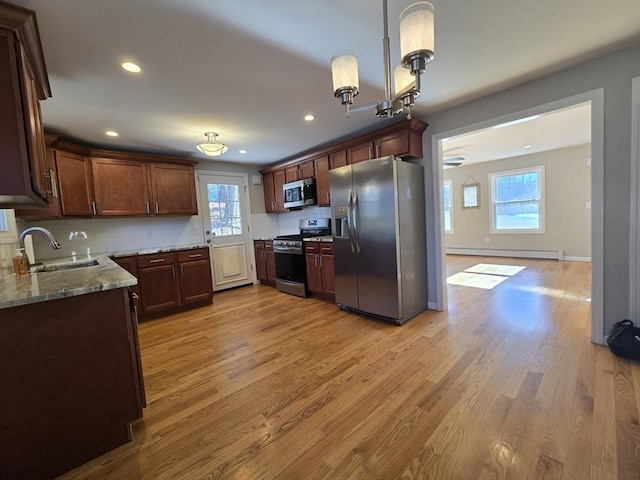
(8, 232)
(517, 201)
(448, 206)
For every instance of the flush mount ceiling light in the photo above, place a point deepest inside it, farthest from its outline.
(416, 50)
(131, 67)
(211, 147)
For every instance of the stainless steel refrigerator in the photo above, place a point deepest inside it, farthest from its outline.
(378, 213)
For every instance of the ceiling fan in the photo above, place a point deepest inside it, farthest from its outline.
(453, 161)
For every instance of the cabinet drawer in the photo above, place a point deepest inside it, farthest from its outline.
(155, 260)
(268, 245)
(311, 247)
(259, 244)
(196, 254)
(326, 248)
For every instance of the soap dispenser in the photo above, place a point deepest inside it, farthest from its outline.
(20, 263)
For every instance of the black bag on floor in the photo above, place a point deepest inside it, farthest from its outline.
(624, 340)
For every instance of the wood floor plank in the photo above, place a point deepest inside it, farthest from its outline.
(504, 385)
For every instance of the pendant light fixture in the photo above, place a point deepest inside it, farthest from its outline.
(211, 147)
(416, 50)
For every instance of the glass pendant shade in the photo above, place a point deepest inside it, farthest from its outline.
(402, 78)
(211, 147)
(344, 71)
(416, 29)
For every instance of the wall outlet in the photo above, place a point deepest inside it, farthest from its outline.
(486, 239)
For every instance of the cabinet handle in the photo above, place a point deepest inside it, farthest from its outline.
(320, 261)
(369, 153)
(54, 186)
(157, 260)
(173, 270)
(328, 200)
(198, 255)
(157, 209)
(148, 211)
(93, 207)
(181, 270)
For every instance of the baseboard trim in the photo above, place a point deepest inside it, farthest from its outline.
(495, 252)
(571, 258)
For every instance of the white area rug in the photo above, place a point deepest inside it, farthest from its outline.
(492, 269)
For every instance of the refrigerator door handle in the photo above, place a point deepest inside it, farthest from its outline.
(355, 220)
(349, 226)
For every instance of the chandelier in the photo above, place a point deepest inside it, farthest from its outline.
(211, 147)
(416, 50)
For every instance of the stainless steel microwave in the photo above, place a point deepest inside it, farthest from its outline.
(300, 193)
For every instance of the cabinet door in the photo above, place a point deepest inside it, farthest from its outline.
(53, 208)
(174, 189)
(314, 281)
(130, 264)
(338, 159)
(360, 153)
(158, 288)
(327, 274)
(74, 182)
(270, 262)
(278, 182)
(322, 181)
(393, 144)
(291, 174)
(269, 193)
(120, 187)
(261, 261)
(195, 281)
(306, 170)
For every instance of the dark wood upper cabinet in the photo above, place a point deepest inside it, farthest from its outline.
(322, 180)
(74, 184)
(173, 188)
(338, 159)
(23, 83)
(120, 187)
(278, 182)
(360, 153)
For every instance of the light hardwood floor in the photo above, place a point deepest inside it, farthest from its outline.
(506, 384)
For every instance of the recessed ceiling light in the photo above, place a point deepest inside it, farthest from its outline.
(111, 133)
(526, 146)
(131, 67)
(309, 118)
(243, 151)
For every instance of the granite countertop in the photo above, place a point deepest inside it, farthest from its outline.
(16, 290)
(147, 251)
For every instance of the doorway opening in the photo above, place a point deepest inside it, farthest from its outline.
(454, 148)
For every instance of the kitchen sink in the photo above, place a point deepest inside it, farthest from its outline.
(68, 265)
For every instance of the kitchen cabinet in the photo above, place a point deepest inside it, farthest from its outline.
(195, 276)
(75, 382)
(360, 153)
(170, 280)
(23, 83)
(321, 166)
(75, 184)
(159, 288)
(273, 195)
(403, 143)
(265, 261)
(120, 187)
(298, 172)
(320, 268)
(173, 189)
(337, 159)
(130, 264)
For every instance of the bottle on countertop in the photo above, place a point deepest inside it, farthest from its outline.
(20, 263)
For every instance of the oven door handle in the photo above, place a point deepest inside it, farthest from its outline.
(287, 250)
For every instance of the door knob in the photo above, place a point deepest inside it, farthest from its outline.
(208, 232)
(208, 240)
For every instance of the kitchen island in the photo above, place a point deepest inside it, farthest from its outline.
(70, 366)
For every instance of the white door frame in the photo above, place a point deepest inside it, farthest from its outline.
(245, 178)
(634, 230)
(596, 97)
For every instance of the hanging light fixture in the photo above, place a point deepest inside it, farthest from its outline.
(211, 147)
(416, 50)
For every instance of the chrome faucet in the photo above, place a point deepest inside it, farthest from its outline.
(54, 243)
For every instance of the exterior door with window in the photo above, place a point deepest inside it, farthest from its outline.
(224, 208)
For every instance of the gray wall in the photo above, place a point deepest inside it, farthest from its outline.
(613, 73)
(567, 191)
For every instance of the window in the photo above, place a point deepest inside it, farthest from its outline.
(8, 232)
(517, 201)
(224, 209)
(448, 206)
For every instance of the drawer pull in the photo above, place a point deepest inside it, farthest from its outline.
(195, 255)
(158, 260)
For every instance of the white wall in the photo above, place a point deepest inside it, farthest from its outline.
(612, 73)
(567, 191)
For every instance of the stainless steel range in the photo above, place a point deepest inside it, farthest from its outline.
(291, 267)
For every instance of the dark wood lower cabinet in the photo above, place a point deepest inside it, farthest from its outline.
(265, 262)
(71, 382)
(320, 271)
(170, 280)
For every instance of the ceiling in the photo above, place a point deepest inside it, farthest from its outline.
(251, 69)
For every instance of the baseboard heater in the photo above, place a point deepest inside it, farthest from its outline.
(515, 253)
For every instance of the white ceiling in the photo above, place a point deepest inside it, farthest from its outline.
(251, 69)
